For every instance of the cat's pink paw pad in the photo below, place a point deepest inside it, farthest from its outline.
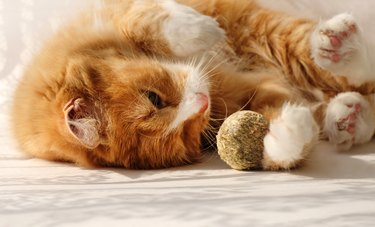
(348, 123)
(349, 120)
(337, 45)
(337, 38)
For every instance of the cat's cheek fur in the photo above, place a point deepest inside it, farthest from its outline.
(189, 32)
(292, 135)
(196, 97)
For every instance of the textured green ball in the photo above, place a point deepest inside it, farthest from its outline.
(240, 140)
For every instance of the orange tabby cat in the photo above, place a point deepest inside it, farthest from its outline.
(131, 85)
(321, 60)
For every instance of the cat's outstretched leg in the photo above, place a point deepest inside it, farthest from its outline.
(293, 130)
(349, 120)
(292, 135)
(337, 46)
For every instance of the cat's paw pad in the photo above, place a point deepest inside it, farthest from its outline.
(290, 135)
(337, 38)
(349, 120)
(337, 46)
(189, 32)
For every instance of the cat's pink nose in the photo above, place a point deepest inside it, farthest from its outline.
(203, 101)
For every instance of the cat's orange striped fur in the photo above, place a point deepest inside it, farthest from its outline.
(130, 85)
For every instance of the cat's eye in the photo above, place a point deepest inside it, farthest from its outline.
(155, 100)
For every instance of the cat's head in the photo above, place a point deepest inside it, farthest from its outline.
(138, 114)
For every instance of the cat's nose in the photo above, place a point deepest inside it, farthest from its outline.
(203, 101)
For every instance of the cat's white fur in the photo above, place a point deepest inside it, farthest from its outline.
(354, 60)
(195, 87)
(290, 133)
(355, 65)
(338, 110)
(189, 32)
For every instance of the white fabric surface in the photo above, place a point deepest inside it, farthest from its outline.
(333, 189)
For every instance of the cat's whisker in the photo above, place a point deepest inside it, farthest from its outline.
(205, 79)
(250, 99)
(203, 62)
(208, 63)
(211, 127)
(210, 138)
(193, 62)
(226, 107)
(209, 73)
(218, 119)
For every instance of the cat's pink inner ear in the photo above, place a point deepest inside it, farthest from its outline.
(82, 126)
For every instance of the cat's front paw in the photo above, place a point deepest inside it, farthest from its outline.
(291, 137)
(189, 32)
(349, 120)
(337, 46)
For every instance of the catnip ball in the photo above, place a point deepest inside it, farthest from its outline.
(240, 140)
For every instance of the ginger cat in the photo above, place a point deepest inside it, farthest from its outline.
(137, 83)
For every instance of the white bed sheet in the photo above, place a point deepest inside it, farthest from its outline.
(333, 189)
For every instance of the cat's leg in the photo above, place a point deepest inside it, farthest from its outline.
(291, 137)
(337, 46)
(187, 31)
(169, 28)
(349, 120)
(292, 132)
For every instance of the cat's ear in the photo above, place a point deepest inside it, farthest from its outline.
(82, 123)
(83, 75)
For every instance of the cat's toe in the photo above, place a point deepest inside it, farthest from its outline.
(337, 38)
(337, 45)
(349, 120)
(290, 138)
(189, 32)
